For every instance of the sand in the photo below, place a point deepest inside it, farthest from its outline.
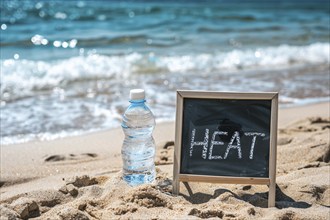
(80, 178)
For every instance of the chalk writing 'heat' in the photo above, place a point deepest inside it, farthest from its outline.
(234, 144)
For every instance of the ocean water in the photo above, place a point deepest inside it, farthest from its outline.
(67, 66)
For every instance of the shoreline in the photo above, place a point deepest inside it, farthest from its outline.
(42, 166)
(282, 118)
(55, 137)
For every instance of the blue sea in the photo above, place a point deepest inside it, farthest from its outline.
(67, 66)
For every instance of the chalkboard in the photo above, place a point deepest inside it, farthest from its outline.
(226, 138)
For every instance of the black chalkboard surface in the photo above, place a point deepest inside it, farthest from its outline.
(226, 137)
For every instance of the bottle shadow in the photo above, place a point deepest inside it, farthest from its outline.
(256, 199)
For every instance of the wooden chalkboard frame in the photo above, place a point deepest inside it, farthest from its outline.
(270, 181)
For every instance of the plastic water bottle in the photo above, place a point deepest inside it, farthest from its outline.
(138, 150)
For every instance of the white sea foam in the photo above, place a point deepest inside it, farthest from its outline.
(23, 77)
(20, 78)
(265, 58)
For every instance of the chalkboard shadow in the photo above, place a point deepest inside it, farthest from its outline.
(257, 199)
(196, 198)
(199, 198)
(2, 183)
(282, 200)
(285, 201)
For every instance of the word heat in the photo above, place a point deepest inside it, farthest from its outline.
(234, 144)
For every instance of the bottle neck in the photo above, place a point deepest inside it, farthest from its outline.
(136, 102)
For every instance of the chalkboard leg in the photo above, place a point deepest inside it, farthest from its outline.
(175, 187)
(186, 184)
(176, 169)
(271, 194)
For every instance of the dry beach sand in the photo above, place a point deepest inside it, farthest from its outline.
(79, 178)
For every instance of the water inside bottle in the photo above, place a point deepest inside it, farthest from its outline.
(138, 163)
